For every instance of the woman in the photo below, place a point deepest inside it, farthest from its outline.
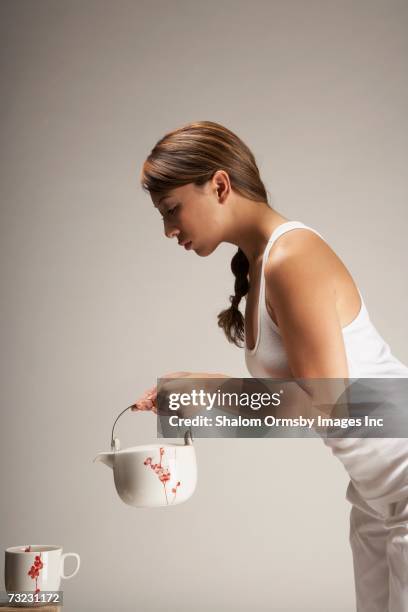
(304, 318)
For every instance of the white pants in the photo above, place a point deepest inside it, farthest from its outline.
(379, 543)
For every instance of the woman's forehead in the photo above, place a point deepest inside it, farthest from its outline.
(162, 197)
(185, 191)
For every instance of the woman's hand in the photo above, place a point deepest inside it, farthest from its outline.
(148, 401)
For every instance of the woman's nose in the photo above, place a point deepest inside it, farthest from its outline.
(170, 232)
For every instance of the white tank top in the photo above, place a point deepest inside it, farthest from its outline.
(368, 356)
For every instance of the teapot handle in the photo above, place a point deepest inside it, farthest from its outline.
(115, 445)
(115, 441)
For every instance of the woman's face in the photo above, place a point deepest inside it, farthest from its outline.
(194, 215)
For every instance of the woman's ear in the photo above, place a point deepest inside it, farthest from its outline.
(221, 185)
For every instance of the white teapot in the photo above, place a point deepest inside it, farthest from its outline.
(152, 475)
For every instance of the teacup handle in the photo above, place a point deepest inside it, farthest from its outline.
(64, 556)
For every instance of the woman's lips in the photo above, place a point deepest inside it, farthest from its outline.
(188, 245)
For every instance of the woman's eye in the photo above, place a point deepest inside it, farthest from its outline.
(169, 212)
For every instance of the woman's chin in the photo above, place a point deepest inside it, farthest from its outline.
(204, 251)
(200, 251)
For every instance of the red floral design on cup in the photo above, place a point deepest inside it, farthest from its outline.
(163, 474)
(35, 569)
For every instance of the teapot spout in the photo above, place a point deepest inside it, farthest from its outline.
(106, 458)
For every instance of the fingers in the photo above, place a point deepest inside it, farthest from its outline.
(147, 401)
(151, 391)
(143, 404)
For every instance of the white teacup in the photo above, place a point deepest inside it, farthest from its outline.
(36, 568)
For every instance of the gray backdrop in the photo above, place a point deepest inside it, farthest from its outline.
(96, 303)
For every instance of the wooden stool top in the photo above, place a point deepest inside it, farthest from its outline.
(4, 607)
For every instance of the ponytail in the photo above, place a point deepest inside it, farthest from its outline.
(231, 319)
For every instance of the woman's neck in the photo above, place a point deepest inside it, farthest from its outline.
(252, 224)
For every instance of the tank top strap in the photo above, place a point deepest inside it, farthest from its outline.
(278, 231)
(262, 314)
(282, 229)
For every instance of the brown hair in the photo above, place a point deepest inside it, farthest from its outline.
(192, 154)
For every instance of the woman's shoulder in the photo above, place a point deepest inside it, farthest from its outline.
(302, 246)
(301, 265)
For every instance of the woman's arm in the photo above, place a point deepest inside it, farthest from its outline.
(300, 289)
